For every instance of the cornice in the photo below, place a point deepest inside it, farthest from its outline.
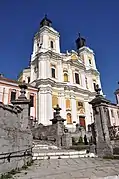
(66, 87)
(92, 71)
(74, 64)
(86, 49)
(46, 30)
(49, 54)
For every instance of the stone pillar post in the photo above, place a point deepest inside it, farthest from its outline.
(62, 139)
(59, 122)
(100, 110)
(23, 102)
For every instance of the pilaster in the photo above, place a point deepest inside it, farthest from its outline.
(88, 113)
(45, 105)
(62, 103)
(74, 109)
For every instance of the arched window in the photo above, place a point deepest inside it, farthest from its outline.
(69, 118)
(65, 77)
(51, 44)
(90, 61)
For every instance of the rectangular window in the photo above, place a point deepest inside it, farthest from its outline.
(77, 78)
(112, 113)
(13, 95)
(53, 72)
(28, 79)
(31, 101)
(51, 44)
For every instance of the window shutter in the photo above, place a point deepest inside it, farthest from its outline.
(68, 105)
(77, 105)
(54, 101)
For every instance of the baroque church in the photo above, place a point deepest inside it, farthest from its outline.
(68, 79)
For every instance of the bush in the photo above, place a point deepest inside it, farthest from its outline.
(73, 141)
(80, 140)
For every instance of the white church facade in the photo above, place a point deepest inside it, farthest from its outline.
(67, 79)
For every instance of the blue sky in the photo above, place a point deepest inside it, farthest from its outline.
(96, 20)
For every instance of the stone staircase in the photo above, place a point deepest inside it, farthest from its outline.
(42, 151)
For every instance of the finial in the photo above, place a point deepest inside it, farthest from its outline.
(45, 16)
(97, 89)
(79, 35)
(23, 88)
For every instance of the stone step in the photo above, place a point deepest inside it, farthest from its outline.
(42, 155)
(47, 147)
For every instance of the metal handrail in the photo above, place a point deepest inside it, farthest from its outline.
(14, 156)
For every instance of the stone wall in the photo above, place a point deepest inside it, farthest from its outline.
(45, 132)
(54, 134)
(14, 138)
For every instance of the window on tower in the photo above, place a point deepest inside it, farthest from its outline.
(112, 113)
(94, 85)
(53, 72)
(90, 61)
(51, 44)
(28, 79)
(77, 78)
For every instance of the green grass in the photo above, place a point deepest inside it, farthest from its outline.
(15, 171)
(6, 176)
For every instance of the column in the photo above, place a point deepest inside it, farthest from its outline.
(74, 110)
(88, 114)
(32, 73)
(60, 71)
(62, 104)
(70, 76)
(41, 107)
(83, 81)
(49, 110)
(48, 69)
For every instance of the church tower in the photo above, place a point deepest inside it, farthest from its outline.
(46, 49)
(85, 53)
(88, 57)
(46, 38)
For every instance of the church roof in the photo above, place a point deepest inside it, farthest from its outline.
(7, 80)
(46, 22)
